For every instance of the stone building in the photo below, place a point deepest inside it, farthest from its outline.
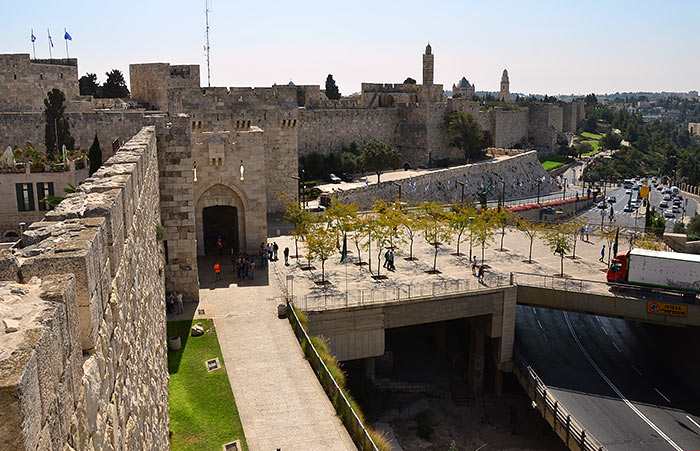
(463, 89)
(694, 128)
(504, 93)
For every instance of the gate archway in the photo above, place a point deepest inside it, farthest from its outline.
(220, 211)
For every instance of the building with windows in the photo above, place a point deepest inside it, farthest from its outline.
(22, 191)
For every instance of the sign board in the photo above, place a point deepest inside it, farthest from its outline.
(665, 308)
(644, 191)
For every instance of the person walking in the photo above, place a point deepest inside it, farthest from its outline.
(217, 271)
(275, 248)
(220, 244)
(252, 270)
(178, 304)
(474, 266)
(286, 256)
(602, 253)
(481, 273)
(588, 230)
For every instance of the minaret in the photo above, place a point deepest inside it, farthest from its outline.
(428, 65)
(504, 93)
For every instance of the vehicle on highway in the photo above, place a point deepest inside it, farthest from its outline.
(628, 192)
(656, 269)
(334, 178)
(677, 201)
(669, 214)
(663, 204)
(675, 209)
(628, 183)
(601, 204)
(628, 208)
(612, 199)
(675, 191)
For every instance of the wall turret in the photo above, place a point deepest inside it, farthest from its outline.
(428, 66)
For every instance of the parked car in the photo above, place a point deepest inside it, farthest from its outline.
(315, 208)
(334, 178)
(346, 177)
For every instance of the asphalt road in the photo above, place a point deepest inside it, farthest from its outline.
(631, 385)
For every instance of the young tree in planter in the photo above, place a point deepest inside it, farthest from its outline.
(558, 238)
(341, 217)
(484, 229)
(434, 227)
(380, 228)
(531, 230)
(299, 217)
(95, 155)
(459, 219)
(576, 228)
(320, 243)
(377, 157)
(411, 224)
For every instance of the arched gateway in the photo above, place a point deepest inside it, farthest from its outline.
(220, 212)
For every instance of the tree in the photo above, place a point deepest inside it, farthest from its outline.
(484, 230)
(377, 157)
(57, 126)
(95, 155)
(558, 238)
(115, 86)
(609, 234)
(459, 219)
(297, 215)
(434, 227)
(320, 243)
(503, 219)
(381, 228)
(341, 216)
(576, 228)
(693, 228)
(88, 85)
(360, 232)
(582, 148)
(411, 223)
(611, 140)
(648, 241)
(531, 230)
(332, 91)
(465, 133)
(409, 81)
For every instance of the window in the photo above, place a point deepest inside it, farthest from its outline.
(43, 189)
(25, 196)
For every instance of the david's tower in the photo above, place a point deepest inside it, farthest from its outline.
(428, 65)
(504, 93)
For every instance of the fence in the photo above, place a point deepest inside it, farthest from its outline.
(564, 425)
(398, 293)
(357, 430)
(561, 283)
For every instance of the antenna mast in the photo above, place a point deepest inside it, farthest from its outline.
(206, 13)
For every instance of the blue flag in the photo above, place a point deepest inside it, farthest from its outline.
(66, 36)
(33, 37)
(50, 40)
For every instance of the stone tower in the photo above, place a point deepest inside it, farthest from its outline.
(504, 93)
(428, 65)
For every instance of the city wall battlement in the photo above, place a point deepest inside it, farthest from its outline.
(83, 348)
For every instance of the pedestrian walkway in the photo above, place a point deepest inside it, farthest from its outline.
(279, 399)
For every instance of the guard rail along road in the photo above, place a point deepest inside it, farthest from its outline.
(564, 425)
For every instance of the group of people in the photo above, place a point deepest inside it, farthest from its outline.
(389, 260)
(268, 252)
(477, 270)
(244, 266)
(173, 303)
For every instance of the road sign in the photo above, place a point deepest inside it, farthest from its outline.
(644, 191)
(665, 308)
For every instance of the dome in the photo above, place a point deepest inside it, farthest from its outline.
(463, 83)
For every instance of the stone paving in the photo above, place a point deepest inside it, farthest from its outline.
(279, 399)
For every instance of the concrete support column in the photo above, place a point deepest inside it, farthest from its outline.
(368, 367)
(476, 362)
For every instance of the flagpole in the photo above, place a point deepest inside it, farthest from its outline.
(33, 46)
(49, 33)
(64, 38)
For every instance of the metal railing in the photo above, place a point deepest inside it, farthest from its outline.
(575, 437)
(399, 293)
(356, 428)
(561, 283)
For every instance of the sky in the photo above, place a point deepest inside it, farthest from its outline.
(549, 47)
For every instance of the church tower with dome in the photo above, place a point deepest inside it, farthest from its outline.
(504, 93)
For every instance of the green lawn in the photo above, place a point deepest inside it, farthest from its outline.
(591, 135)
(596, 148)
(548, 165)
(203, 413)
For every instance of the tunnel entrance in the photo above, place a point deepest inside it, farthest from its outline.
(220, 221)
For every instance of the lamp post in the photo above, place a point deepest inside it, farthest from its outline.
(503, 193)
(298, 188)
(462, 184)
(395, 183)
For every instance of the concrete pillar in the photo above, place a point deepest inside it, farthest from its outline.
(368, 367)
(476, 361)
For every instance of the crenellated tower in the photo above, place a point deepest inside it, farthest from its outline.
(428, 66)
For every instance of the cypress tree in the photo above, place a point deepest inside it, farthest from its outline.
(95, 155)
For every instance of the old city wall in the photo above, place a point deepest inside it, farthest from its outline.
(16, 129)
(24, 82)
(329, 130)
(86, 367)
(508, 127)
(520, 172)
(542, 129)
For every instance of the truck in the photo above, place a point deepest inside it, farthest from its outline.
(674, 271)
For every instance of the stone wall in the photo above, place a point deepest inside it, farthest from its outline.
(87, 367)
(508, 127)
(24, 82)
(440, 185)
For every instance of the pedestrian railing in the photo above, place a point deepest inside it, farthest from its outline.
(573, 434)
(399, 293)
(560, 283)
(352, 421)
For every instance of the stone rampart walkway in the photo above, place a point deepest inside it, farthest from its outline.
(279, 399)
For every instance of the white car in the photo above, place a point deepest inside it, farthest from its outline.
(669, 214)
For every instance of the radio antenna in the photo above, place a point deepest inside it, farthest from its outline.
(207, 48)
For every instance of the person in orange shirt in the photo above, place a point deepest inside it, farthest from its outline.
(217, 271)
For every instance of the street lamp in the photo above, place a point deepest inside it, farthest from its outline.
(461, 183)
(539, 182)
(298, 187)
(395, 183)
(503, 193)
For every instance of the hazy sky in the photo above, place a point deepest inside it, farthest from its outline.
(553, 47)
